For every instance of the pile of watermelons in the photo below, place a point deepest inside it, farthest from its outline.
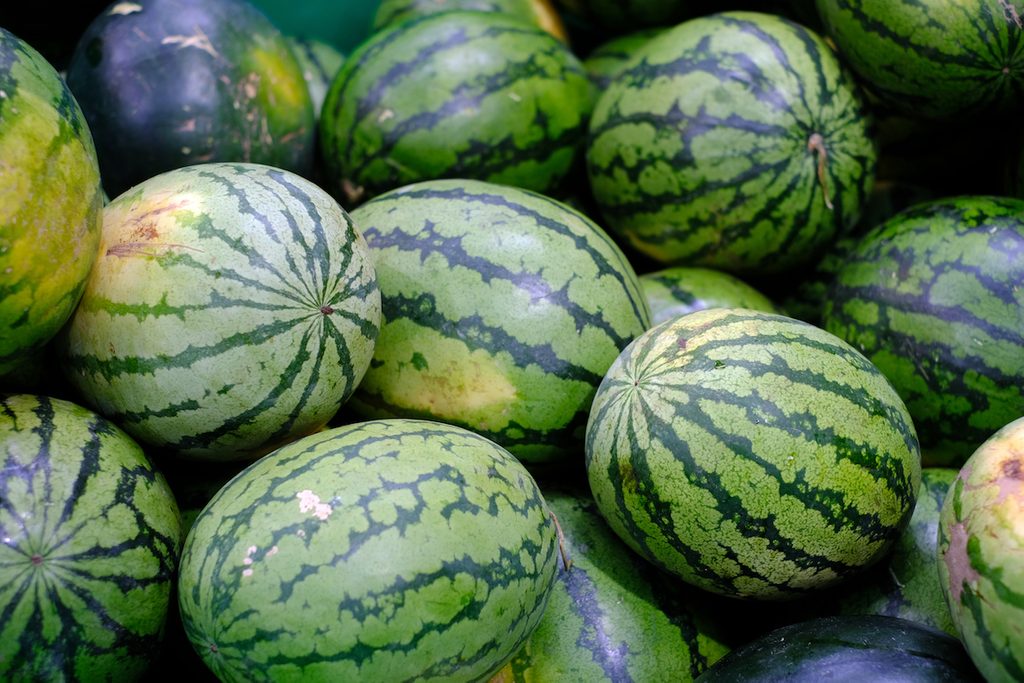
(649, 340)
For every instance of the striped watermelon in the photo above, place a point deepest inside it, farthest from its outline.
(856, 648)
(171, 83)
(751, 454)
(392, 550)
(677, 291)
(605, 61)
(934, 58)
(502, 311)
(91, 536)
(540, 13)
(320, 63)
(612, 616)
(907, 584)
(933, 298)
(734, 141)
(50, 201)
(981, 554)
(455, 95)
(233, 307)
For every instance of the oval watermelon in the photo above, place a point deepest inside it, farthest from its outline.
(170, 83)
(91, 536)
(933, 298)
(391, 550)
(478, 95)
(233, 308)
(734, 141)
(502, 311)
(751, 454)
(50, 201)
(981, 554)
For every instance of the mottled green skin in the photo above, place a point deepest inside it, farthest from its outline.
(907, 585)
(320, 63)
(981, 554)
(540, 13)
(751, 454)
(502, 311)
(677, 291)
(233, 308)
(455, 95)
(932, 297)
(853, 648)
(390, 550)
(170, 83)
(934, 58)
(703, 149)
(612, 616)
(604, 62)
(91, 540)
(50, 201)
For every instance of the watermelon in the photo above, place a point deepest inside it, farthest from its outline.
(606, 60)
(981, 554)
(907, 584)
(612, 616)
(932, 297)
(390, 550)
(677, 291)
(540, 13)
(171, 83)
(478, 95)
(933, 58)
(233, 308)
(50, 201)
(319, 62)
(502, 311)
(751, 454)
(91, 537)
(734, 141)
(855, 648)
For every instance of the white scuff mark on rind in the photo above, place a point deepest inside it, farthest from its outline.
(514, 97)
(198, 41)
(310, 502)
(246, 572)
(385, 115)
(1011, 13)
(123, 8)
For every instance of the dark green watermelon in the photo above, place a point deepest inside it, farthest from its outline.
(170, 83)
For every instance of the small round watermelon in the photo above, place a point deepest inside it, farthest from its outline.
(735, 141)
(392, 550)
(981, 554)
(50, 201)
(91, 536)
(751, 454)
(672, 292)
(171, 83)
(476, 95)
(233, 308)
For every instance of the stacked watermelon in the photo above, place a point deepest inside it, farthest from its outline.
(532, 341)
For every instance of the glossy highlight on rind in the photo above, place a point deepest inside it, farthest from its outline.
(751, 454)
(50, 201)
(382, 550)
(502, 311)
(233, 308)
(933, 298)
(91, 539)
(735, 141)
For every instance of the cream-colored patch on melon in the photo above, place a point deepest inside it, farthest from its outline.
(123, 8)
(475, 390)
(140, 228)
(309, 502)
(958, 562)
(199, 40)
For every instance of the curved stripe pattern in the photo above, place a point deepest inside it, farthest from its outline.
(933, 298)
(503, 309)
(90, 540)
(735, 141)
(751, 454)
(456, 95)
(233, 307)
(384, 550)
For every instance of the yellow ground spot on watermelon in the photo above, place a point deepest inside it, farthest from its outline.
(199, 40)
(123, 8)
(289, 91)
(310, 502)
